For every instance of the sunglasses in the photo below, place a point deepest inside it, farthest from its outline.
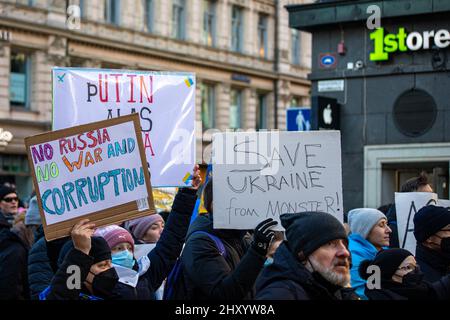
(11, 199)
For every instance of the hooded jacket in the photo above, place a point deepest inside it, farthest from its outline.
(287, 279)
(210, 276)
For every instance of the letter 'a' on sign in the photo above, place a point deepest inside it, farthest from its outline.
(261, 175)
(164, 101)
(96, 171)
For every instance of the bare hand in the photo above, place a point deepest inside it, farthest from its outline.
(197, 178)
(81, 235)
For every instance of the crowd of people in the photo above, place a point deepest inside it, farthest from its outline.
(316, 258)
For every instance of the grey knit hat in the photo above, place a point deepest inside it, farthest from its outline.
(32, 216)
(362, 220)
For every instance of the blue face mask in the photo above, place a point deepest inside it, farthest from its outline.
(123, 258)
(268, 262)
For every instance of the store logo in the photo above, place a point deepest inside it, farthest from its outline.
(327, 118)
(384, 44)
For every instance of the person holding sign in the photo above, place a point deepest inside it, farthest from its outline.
(313, 264)
(400, 278)
(432, 232)
(369, 233)
(416, 184)
(128, 279)
(86, 272)
(218, 264)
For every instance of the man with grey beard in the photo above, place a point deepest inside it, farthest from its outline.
(313, 263)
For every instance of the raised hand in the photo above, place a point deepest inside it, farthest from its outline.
(81, 235)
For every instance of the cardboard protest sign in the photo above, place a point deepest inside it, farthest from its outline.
(262, 175)
(96, 171)
(165, 103)
(406, 205)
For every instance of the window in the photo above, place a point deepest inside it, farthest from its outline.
(148, 12)
(112, 11)
(295, 38)
(236, 29)
(82, 9)
(19, 81)
(208, 106)
(235, 109)
(209, 22)
(261, 112)
(262, 36)
(178, 17)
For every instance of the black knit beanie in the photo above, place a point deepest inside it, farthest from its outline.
(387, 260)
(308, 231)
(429, 220)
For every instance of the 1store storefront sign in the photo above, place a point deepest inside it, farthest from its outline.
(386, 43)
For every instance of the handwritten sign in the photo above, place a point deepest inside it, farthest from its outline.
(96, 171)
(262, 175)
(406, 205)
(165, 103)
(443, 203)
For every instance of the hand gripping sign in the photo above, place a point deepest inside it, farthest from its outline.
(96, 171)
(165, 103)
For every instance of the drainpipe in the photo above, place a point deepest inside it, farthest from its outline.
(276, 62)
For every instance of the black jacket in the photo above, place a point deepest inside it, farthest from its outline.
(13, 264)
(287, 279)
(431, 263)
(166, 252)
(439, 290)
(43, 264)
(210, 276)
(162, 258)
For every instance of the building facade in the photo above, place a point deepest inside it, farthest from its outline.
(249, 65)
(391, 82)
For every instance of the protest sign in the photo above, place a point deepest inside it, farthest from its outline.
(96, 171)
(406, 206)
(262, 175)
(165, 103)
(141, 250)
(443, 203)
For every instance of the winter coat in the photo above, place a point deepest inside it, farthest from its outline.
(439, 290)
(432, 263)
(361, 249)
(207, 274)
(287, 279)
(13, 264)
(43, 264)
(150, 271)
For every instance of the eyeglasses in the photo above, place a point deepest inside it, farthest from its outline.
(16, 199)
(409, 268)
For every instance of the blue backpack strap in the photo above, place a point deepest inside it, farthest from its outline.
(217, 241)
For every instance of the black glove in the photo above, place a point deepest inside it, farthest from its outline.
(263, 236)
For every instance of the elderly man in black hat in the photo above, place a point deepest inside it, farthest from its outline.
(432, 232)
(313, 264)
